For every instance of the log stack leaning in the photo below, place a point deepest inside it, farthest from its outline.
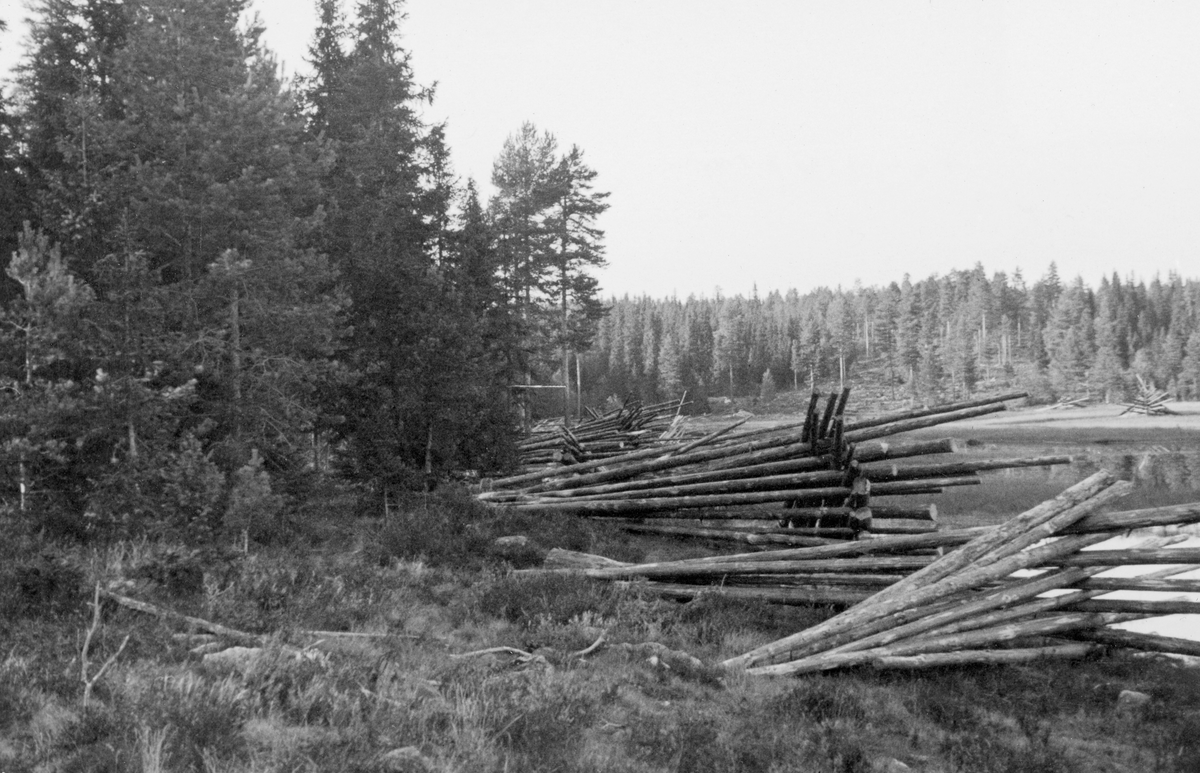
(820, 478)
(1037, 586)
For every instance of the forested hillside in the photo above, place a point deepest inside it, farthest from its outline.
(222, 283)
(928, 338)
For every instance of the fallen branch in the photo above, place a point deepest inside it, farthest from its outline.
(90, 682)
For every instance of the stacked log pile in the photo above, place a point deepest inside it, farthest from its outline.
(1033, 587)
(1149, 401)
(601, 436)
(979, 604)
(801, 483)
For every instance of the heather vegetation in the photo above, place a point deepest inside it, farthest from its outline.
(416, 644)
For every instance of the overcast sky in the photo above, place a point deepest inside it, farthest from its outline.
(783, 144)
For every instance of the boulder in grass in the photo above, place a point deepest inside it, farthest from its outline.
(407, 759)
(517, 550)
(234, 658)
(1132, 702)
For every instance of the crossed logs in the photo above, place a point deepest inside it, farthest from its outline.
(1038, 586)
(799, 483)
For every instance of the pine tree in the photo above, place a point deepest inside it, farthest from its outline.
(729, 345)
(14, 202)
(421, 363)
(44, 359)
(1068, 337)
(1107, 370)
(1190, 374)
(577, 247)
(671, 374)
(524, 178)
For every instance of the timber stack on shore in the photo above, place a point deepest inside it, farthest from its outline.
(1149, 400)
(1038, 586)
(981, 604)
(600, 436)
(802, 483)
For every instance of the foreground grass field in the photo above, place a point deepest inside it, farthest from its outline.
(461, 662)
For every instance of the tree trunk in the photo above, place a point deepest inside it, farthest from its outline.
(235, 357)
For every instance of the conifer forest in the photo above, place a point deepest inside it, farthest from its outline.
(218, 282)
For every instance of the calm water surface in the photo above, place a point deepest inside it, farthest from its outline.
(1162, 474)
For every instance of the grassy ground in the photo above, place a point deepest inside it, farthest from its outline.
(434, 588)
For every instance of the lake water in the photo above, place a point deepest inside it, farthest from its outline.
(1162, 474)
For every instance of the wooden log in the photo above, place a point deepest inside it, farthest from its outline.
(1026, 529)
(1133, 557)
(790, 466)
(1116, 637)
(673, 504)
(707, 438)
(535, 476)
(967, 640)
(803, 515)
(841, 517)
(878, 612)
(827, 417)
(907, 425)
(810, 419)
(878, 450)
(1140, 606)
(856, 579)
(843, 398)
(778, 595)
(1125, 520)
(868, 452)
(1009, 656)
(895, 472)
(771, 454)
(874, 451)
(733, 535)
(861, 564)
(1006, 597)
(911, 487)
(910, 512)
(633, 469)
(1035, 608)
(559, 558)
(879, 546)
(729, 515)
(932, 411)
(896, 526)
(920, 491)
(881, 611)
(813, 479)
(176, 617)
(1140, 584)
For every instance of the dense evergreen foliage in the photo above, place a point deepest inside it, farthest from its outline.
(936, 337)
(221, 282)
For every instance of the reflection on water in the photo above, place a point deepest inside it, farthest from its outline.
(1161, 476)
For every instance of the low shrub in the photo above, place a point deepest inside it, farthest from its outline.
(555, 598)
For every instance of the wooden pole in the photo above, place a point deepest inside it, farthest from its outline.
(932, 411)
(1010, 656)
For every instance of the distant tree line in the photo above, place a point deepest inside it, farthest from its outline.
(936, 337)
(221, 282)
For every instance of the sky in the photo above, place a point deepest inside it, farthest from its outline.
(775, 144)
